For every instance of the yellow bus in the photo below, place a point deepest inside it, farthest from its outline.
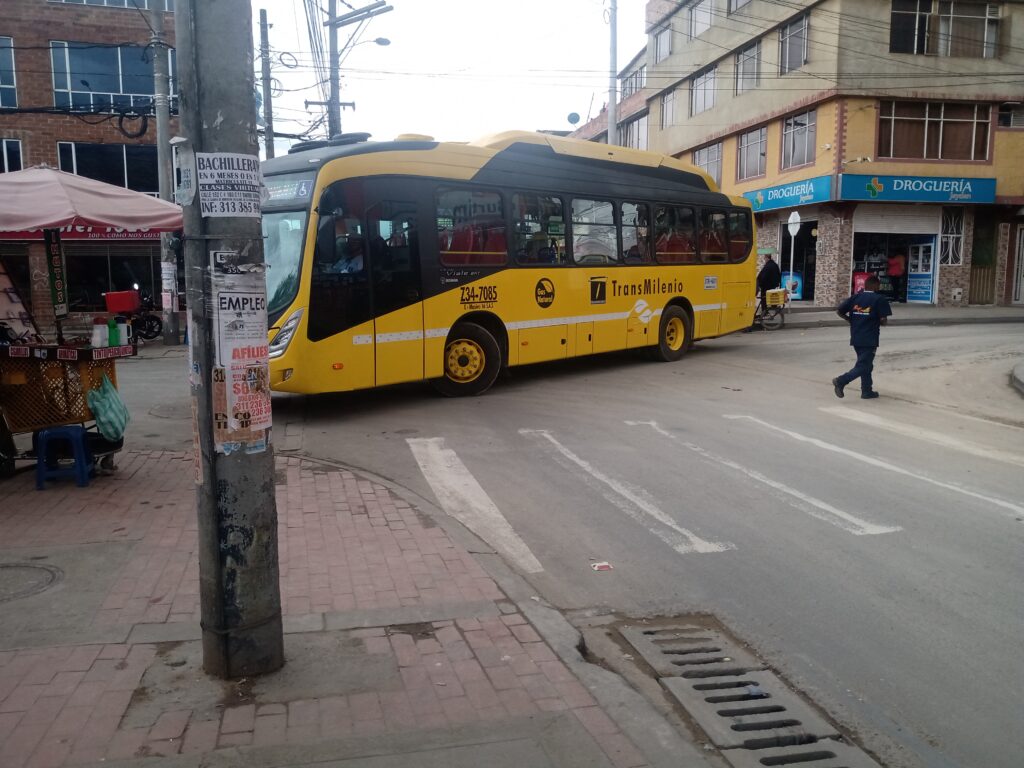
(399, 261)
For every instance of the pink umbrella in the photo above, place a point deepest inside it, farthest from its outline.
(45, 198)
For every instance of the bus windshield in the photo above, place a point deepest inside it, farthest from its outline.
(282, 251)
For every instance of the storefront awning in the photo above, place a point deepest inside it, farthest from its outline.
(45, 198)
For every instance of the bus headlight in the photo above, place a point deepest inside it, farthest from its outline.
(284, 336)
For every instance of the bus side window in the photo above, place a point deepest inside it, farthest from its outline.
(675, 235)
(739, 236)
(394, 255)
(471, 228)
(538, 231)
(714, 238)
(594, 234)
(636, 233)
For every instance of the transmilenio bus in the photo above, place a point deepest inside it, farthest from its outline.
(413, 259)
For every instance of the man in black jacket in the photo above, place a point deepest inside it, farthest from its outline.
(769, 278)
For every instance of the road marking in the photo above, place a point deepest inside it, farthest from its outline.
(926, 435)
(833, 515)
(681, 540)
(461, 496)
(1015, 508)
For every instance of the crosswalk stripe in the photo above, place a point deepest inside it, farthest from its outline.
(679, 538)
(833, 515)
(1016, 509)
(927, 435)
(462, 497)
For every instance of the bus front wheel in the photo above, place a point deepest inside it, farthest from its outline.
(675, 335)
(472, 361)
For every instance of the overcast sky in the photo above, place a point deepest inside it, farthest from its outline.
(458, 69)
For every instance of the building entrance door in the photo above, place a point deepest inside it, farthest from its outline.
(805, 258)
(920, 273)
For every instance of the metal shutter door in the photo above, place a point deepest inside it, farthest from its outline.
(898, 219)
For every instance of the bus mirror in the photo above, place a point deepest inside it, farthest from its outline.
(325, 247)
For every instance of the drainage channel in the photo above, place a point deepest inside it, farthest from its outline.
(746, 710)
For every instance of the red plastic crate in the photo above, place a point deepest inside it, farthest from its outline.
(122, 301)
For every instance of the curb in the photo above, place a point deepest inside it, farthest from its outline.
(1017, 378)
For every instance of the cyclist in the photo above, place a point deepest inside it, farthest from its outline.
(769, 278)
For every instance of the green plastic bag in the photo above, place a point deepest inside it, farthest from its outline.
(108, 409)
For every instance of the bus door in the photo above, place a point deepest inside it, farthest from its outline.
(393, 240)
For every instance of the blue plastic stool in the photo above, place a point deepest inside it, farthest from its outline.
(75, 436)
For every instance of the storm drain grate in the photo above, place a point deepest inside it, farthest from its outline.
(746, 711)
(688, 650)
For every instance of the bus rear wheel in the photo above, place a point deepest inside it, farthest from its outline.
(675, 335)
(472, 361)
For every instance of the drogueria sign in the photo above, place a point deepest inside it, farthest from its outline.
(917, 189)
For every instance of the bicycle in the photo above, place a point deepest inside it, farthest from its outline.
(770, 313)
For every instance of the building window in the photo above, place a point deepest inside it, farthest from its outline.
(634, 133)
(735, 5)
(793, 45)
(133, 166)
(951, 247)
(668, 109)
(634, 82)
(970, 30)
(748, 68)
(753, 147)
(10, 155)
(8, 86)
(964, 29)
(702, 92)
(933, 130)
(662, 44)
(709, 160)
(798, 137)
(161, 5)
(1011, 116)
(700, 17)
(95, 78)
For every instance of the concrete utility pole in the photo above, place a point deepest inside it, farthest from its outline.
(613, 107)
(162, 106)
(268, 106)
(240, 600)
(334, 102)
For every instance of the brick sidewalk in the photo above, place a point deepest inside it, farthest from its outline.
(348, 547)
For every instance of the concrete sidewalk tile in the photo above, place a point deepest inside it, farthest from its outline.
(459, 710)
(270, 729)
(8, 722)
(551, 705)
(539, 652)
(22, 698)
(273, 708)
(302, 734)
(170, 725)
(524, 633)
(595, 720)
(238, 719)
(127, 743)
(398, 712)
(555, 671)
(518, 703)
(64, 683)
(523, 665)
(365, 706)
(303, 712)
(620, 750)
(200, 737)
(45, 709)
(70, 722)
(86, 755)
(81, 658)
(50, 753)
(574, 694)
(19, 746)
(112, 652)
(405, 650)
(234, 739)
(112, 704)
(482, 694)
(539, 687)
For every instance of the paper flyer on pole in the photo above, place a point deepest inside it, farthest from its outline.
(241, 376)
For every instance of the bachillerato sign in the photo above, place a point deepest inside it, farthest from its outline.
(916, 189)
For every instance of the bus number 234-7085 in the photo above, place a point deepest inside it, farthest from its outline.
(478, 294)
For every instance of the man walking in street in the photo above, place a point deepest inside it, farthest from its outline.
(866, 312)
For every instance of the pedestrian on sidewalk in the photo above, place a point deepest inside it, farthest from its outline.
(866, 312)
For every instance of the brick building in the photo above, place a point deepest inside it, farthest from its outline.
(76, 93)
(893, 128)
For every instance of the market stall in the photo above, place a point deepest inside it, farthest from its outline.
(47, 385)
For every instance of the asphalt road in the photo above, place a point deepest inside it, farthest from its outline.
(869, 550)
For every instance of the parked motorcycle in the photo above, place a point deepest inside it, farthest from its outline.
(139, 308)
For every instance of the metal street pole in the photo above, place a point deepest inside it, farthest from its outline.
(613, 107)
(268, 107)
(334, 107)
(239, 589)
(162, 106)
